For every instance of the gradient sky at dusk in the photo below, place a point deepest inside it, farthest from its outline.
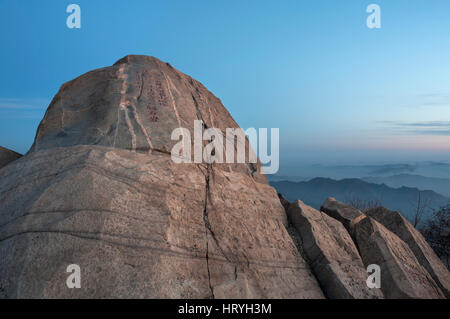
(337, 90)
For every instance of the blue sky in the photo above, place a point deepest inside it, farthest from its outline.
(337, 90)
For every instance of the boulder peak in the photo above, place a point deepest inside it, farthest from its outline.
(135, 104)
(142, 59)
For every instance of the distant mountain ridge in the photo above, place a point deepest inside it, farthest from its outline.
(315, 191)
(438, 185)
(304, 172)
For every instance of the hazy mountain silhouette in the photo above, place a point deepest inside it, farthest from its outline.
(305, 172)
(438, 185)
(315, 191)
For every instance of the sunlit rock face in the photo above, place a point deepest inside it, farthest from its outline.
(331, 253)
(395, 222)
(99, 189)
(402, 275)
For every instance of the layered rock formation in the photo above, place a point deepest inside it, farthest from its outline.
(99, 189)
(341, 242)
(397, 224)
(409, 267)
(402, 276)
(7, 156)
(331, 253)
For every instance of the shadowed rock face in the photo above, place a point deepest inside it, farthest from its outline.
(99, 189)
(7, 156)
(331, 253)
(286, 204)
(402, 276)
(396, 223)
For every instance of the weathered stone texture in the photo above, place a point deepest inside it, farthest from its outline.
(331, 253)
(99, 189)
(397, 224)
(7, 156)
(344, 213)
(402, 276)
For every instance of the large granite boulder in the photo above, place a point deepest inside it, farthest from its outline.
(331, 254)
(99, 189)
(402, 276)
(7, 156)
(344, 213)
(397, 224)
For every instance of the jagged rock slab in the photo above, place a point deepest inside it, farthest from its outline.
(344, 213)
(397, 224)
(7, 156)
(331, 253)
(99, 189)
(402, 276)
